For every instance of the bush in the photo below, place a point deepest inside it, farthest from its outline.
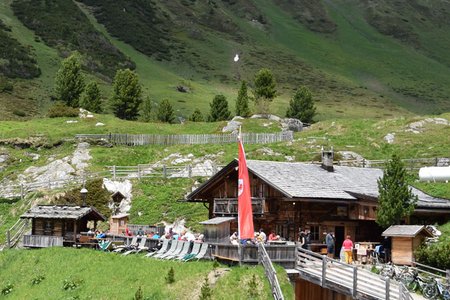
(205, 292)
(59, 110)
(7, 289)
(196, 116)
(71, 284)
(37, 279)
(170, 278)
(5, 85)
(435, 255)
(19, 113)
(165, 112)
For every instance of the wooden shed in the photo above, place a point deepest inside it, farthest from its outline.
(56, 225)
(405, 240)
(118, 223)
(217, 230)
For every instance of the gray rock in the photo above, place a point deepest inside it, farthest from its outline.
(100, 124)
(269, 117)
(232, 126)
(291, 124)
(389, 138)
(237, 118)
(3, 158)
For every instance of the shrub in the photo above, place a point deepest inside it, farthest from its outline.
(219, 109)
(19, 113)
(196, 116)
(435, 255)
(59, 110)
(71, 284)
(37, 279)
(165, 112)
(205, 292)
(253, 288)
(127, 95)
(170, 278)
(5, 85)
(138, 295)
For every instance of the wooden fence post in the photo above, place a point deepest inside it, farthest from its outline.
(22, 195)
(324, 271)
(355, 281)
(448, 275)
(164, 171)
(114, 172)
(139, 172)
(189, 171)
(8, 238)
(388, 288)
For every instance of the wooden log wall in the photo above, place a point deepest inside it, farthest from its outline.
(305, 290)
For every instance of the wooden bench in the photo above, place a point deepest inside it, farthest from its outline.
(224, 257)
(86, 241)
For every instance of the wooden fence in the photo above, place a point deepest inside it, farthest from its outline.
(189, 139)
(15, 233)
(271, 274)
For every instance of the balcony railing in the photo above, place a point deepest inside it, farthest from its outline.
(42, 241)
(229, 206)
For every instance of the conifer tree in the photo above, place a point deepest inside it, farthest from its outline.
(205, 290)
(165, 112)
(69, 81)
(219, 109)
(264, 91)
(242, 108)
(396, 200)
(301, 106)
(127, 95)
(91, 98)
(146, 110)
(196, 116)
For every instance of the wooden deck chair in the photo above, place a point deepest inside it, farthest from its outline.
(140, 247)
(175, 252)
(105, 246)
(195, 250)
(173, 246)
(203, 250)
(163, 249)
(184, 249)
(127, 246)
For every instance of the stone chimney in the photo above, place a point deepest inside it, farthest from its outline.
(327, 159)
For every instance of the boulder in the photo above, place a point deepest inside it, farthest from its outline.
(389, 138)
(291, 124)
(99, 124)
(232, 126)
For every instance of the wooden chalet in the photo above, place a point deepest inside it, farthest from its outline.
(405, 240)
(118, 224)
(289, 196)
(58, 225)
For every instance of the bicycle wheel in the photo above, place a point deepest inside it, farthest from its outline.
(430, 291)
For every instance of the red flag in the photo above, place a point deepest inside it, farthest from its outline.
(245, 214)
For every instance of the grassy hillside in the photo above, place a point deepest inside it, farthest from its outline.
(64, 273)
(335, 48)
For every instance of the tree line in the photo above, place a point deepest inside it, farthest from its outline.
(128, 102)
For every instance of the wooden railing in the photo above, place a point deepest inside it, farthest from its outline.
(347, 279)
(42, 241)
(271, 274)
(284, 255)
(14, 234)
(229, 206)
(189, 139)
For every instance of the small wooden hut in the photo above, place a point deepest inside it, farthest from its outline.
(56, 225)
(217, 230)
(405, 240)
(118, 223)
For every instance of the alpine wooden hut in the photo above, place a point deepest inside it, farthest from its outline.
(58, 225)
(290, 196)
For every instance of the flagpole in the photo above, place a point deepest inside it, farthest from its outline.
(239, 233)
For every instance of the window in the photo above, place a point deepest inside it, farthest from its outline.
(315, 233)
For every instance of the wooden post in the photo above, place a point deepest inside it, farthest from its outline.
(8, 238)
(139, 172)
(114, 172)
(448, 275)
(22, 194)
(400, 291)
(164, 171)
(388, 288)
(189, 171)
(355, 281)
(240, 253)
(75, 231)
(324, 271)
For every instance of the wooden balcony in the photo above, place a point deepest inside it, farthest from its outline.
(42, 241)
(229, 206)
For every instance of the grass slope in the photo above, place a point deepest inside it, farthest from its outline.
(99, 275)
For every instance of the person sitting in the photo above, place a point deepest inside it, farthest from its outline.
(200, 238)
(188, 236)
(273, 236)
(155, 236)
(128, 232)
(101, 235)
(140, 232)
(262, 236)
(234, 239)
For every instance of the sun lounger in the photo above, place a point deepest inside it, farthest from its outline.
(193, 253)
(174, 252)
(202, 253)
(182, 249)
(140, 247)
(173, 246)
(105, 246)
(125, 247)
(163, 249)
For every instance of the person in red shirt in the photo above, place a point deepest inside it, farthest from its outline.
(348, 250)
(273, 236)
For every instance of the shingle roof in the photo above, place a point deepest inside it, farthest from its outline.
(302, 180)
(217, 220)
(405, 230)
(61, 212)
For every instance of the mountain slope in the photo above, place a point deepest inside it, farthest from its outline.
(339, 49)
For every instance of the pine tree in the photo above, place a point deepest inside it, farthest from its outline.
(302, 106)
(146, 110)
(69, 81)
(91, 98)
(165, 112)
(396, 200)
(264, 91)
(219, 109)
(127, 95)
(205, 291)
(242, 108)
(170, 278)
(196, 116)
